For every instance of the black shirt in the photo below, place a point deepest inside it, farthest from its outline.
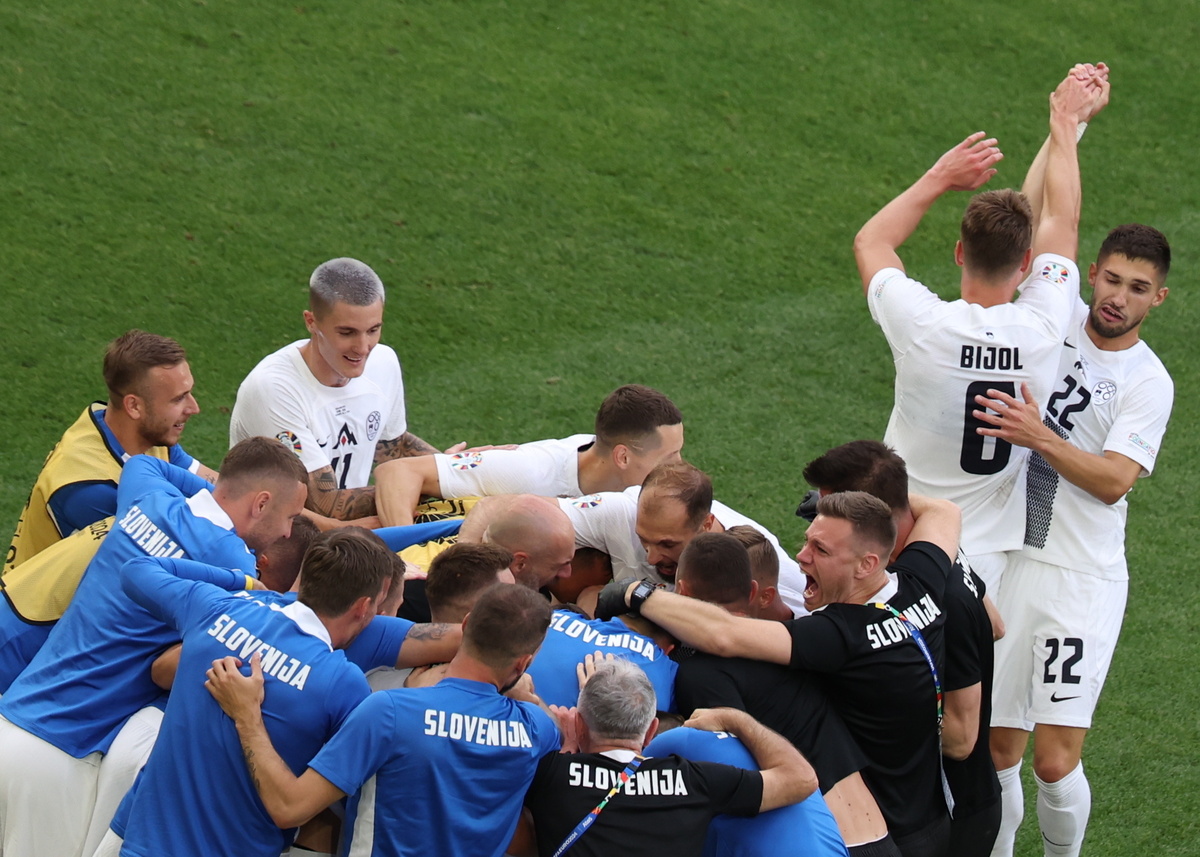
(663, 810)
(879, 682)
(789, 701)
(969, 660)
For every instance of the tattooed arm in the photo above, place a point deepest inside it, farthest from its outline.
(290, 800)
(343, 504)
(405, 446)
(429, 644)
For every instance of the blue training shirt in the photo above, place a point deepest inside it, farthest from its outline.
(310, 689)
(94, 670)
(805, 828)
(436, 770)
(572, 637)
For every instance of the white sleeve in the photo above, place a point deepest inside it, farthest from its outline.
(1138, 429)
(262, 410)
(901, 307)
(495, 471)
(607, 522)
(1052, 291)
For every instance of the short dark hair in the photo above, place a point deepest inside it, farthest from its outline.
(507, 622)
(997, 229)
(630, 414)
(256, 460)
(342, 566)
(133, 354)
(862, 465)
(870, 518)
(460, 573)
(764, 559)
(287, 555)
(716, 567)
(685, 483)
(1138, 241)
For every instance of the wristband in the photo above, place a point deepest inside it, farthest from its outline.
(249, 583)
(641, 592)
(1079, 129)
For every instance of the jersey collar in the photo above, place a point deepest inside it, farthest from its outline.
(204, 505)
(307, 620)
(889, 589)
(620, 755)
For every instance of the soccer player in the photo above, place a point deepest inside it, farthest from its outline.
(645, 529)
(868, 465)
(312, 647)
(1064, 594)
(877, 675)
(641, 805)
(336, 398)
(636, 429)
(62, 713)
(149, 402)
(947, 353)
(438, 770)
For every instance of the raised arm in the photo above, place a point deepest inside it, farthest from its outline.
(787, 776)
(401, 484)
(289, 800)
(703, 626)
(965, 167)
(1035, 179)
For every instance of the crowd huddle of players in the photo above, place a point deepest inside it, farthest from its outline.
(569, 645)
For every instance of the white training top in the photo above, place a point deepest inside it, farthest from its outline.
(608, 522)
(946, 353)
(1104, 400)
(546, 467)
(326, 426)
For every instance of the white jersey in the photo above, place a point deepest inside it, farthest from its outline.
(607, 522)
(546, 467)
(947, 353)
(334, 427)
(1104, 400)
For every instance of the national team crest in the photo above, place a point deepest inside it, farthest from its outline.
(373, 423)
(287, 438)
(589, 501)
(1104, 391)
(466, 460)
(1055, 273)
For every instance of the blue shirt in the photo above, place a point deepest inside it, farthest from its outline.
(78, 504)
(571, 637)
(19, 642)
(436, 770)
(197, 762)
(805, 828)
(94, 670)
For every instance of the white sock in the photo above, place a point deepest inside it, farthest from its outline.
(1063, 809)
(1012, 810)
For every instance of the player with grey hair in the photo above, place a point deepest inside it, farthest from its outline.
(648, 806)
(336, 398)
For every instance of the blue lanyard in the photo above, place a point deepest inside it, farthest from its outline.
(590, 818)
(919, 639)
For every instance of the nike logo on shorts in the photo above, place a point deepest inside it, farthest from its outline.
(1054, 697)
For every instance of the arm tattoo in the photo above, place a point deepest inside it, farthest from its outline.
(249, 754)
(428, 631)
(344, 504)
(408, 444)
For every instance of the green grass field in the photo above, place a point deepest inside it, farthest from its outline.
(566, 196)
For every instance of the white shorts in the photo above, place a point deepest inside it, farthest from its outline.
(110, 846)
(990, 567)
(46, 795)
(1061, 630)
(127, 755)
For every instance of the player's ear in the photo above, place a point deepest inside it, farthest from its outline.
(310, 321)
(1159, 297)
(131, 404)
(261, 499)
(1027, 261)
(650, 732)
(754, 592)
(958, 253)
(621, 455)
(709, 520)
(1092, 271)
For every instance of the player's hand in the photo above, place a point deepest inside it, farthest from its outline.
(969, 164)
(566, 725)
(240, 696)
(1075, 95)
(612, 599)
(713, 719)
(523, 690)
(587, 669)
(1018, 422)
